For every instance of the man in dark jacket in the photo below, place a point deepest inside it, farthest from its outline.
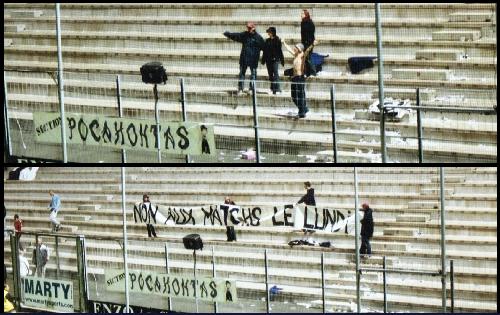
(307, 31)
(308, 198)
(272, 57)
(253, 43)
(366, 230)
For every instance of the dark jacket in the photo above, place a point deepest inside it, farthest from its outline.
(367, 223)
(307, 30)
(253, 43)
(308, 198)
(273, 51)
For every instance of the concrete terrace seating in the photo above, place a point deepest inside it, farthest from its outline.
(407, 228)
(424, 45)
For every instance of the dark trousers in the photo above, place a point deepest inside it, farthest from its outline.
(274, 76)
(151, 230)
(299, 94)
(243, 71)
(366, 248)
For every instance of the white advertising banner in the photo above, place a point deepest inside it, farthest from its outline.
(47, 294)
(178, 286)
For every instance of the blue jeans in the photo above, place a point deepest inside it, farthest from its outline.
(299, 94)
(243, 71)
(366, 248)
(274, 76)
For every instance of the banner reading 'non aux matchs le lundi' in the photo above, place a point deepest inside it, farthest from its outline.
(123, 133)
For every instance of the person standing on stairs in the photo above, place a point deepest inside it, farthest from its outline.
(55, 205)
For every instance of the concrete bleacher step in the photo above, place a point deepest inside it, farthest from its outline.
(421, 74)
(423, 204)
(450, 179)
(436, 191)
(471, 17)
(400, 231)
(390, 246)
(349, 274)
(89, 207)
(101, 197)
(335, 306)
(26, 13)
(114, 187)
(402, 93)
(71, 217)
(7, 42)
(439, 54)
(456, 36)
(14, 28)
(411, 218)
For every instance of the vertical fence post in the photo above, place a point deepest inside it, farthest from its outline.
(167, 267)
(443, 241)
(61, 82)
(419, 130)
(82, 273)
(157, 120)
(356, 241)
(255, 121)
(380, 57)
(194, 269)
(452, 286)
(266, 271)
(125, 262)
(323, 281)
(120, 111)
(14, 247)
(6, 124)
(58, 265)
(183, 105)
(333, 100)
(384, 275)
(214, 275)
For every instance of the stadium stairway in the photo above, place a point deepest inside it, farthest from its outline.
(407, 231)
(425, 47)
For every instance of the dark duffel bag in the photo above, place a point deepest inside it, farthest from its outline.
(230, 233)
(193, 241)
(154, 73)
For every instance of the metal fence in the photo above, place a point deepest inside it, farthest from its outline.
(445, 51)
(333, 131)
(418, 260)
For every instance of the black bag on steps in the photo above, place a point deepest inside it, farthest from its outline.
(154, 73)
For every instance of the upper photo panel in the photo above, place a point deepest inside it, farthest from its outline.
(250, 82)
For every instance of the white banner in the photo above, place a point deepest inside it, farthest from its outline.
(297, 217)
(47, 294)
(179, 286)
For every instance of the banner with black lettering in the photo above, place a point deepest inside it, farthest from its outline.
(124, 133)
(47, 294)
(177, 286)
(298, 217)
(98, 307)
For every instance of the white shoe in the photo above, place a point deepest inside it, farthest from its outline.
(240, 93)
(279, 93)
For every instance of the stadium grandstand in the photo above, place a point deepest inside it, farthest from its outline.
(445, 50)
(424, 219)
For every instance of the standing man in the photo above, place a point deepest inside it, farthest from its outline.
(309, 200)
(253, 43)
(150, 215)
(40, 258)
(55, 205)
(272, 58)
(367, 227)
(307, 35)
(298, 79)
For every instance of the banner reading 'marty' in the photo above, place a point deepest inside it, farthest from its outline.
(122, 133)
